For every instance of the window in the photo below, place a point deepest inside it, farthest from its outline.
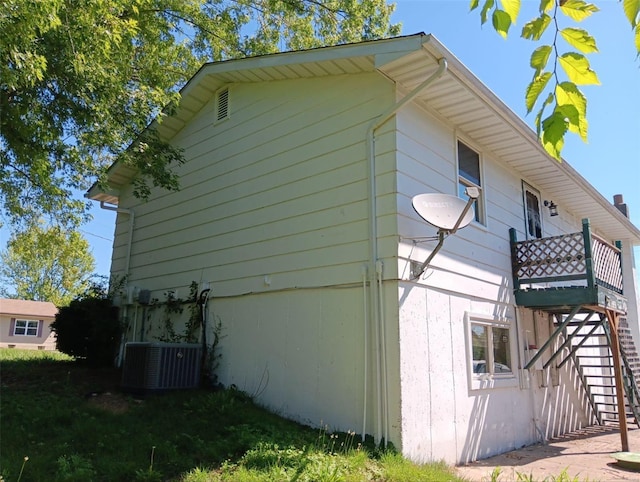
(469, 176)
(490, 353)
(532, 217)
(26, 328)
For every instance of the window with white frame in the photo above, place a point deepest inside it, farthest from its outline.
(469, 175)
(490, 352)
(533, 219)
(26, 328)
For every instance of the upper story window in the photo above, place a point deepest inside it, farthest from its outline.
(532, 217)
(469, 175)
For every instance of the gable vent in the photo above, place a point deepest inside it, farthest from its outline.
(223, 105)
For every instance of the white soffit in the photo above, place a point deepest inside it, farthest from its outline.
(460, 98)
(200, 89)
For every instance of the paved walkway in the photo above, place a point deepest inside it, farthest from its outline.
(585, 454)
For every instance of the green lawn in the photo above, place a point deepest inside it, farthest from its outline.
(73, 424)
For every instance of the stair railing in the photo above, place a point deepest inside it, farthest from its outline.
(629, 384)
(583, 380)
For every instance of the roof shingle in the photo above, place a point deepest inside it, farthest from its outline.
(27, 308)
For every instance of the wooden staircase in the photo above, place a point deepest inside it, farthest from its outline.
(630, 368)
(591, 354)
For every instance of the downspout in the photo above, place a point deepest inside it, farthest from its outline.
(365, 304)
(378, 315)
(127, 261)
(383, 350)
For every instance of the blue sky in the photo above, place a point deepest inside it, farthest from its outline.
(611, 159)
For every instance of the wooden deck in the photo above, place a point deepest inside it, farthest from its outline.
(559, 273)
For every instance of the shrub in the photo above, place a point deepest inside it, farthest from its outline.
(74, 468)
(88, 329)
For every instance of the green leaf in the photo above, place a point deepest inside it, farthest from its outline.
(574, 104)
(46, 262)
(535, 88)
(488, 4)
(570, 115)
(579, 39)
(501, 22)
(575, 122)
(577, 68)
(534, 29)
(554, 129)
(567, 93)
(548, 101)
(637, 38)
(631, 10)
(539, 58)
(512, 7)
(578, 10)
(474, 4)
(546, 5)
(81, 80)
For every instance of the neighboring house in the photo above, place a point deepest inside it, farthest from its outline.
(27, 324)
(295, 208)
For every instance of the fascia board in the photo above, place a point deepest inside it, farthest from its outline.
(458, 70)
(388, 48)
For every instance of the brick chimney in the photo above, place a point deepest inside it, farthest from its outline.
(620, 204)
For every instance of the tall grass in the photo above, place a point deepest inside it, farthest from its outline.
(497, 476)
(32, 356)
(74, 425)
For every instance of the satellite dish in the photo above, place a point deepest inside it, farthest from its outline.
(443, 211)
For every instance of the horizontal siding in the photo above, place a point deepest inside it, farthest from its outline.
(279, 189)
(240, 286)
(264, 167)
(476, 260)
(245, 252)
(325, 226)
(299, 261)
(265, 206)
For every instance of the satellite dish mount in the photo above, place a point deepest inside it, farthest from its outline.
(445, 212)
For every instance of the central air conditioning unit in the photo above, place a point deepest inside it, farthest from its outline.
(154, 367)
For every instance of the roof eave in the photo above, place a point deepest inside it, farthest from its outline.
(457, 69)
(199, 89)
(382, 56)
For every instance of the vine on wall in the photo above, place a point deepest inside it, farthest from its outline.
(173, 307)
(171, 311)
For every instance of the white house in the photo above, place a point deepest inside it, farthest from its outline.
(295, 208)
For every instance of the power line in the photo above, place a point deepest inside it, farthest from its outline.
(96, 235)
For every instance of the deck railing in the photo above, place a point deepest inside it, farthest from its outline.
(577, 257)
(607, 264)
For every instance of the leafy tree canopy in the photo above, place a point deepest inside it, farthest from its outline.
(46, 264)
(559, 62)
(81, 80)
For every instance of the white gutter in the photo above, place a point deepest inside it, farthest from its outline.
(460, 72)
(374, 267)
(130, 238)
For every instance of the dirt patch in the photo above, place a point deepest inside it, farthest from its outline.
(112, 402)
